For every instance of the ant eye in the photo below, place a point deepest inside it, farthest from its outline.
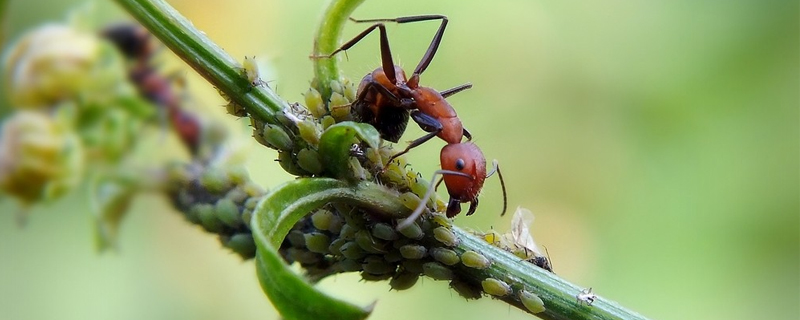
(460, 164)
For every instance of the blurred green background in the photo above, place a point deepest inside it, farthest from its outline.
(656, 143)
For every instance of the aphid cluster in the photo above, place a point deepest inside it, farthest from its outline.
(221, 199)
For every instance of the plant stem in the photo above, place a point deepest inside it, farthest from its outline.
(208, 59)
(327, 40)
(224, 72)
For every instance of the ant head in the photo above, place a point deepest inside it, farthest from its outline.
(465, 158)
(131, 39)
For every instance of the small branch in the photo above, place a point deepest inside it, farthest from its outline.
(208, 59)
(327, 40)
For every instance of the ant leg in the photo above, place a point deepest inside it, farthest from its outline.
(467, 134)
(452, 91)
(437, 38)
(473, 205)
(386, 52)
(424, 201)
(502, 184)
(427, 123)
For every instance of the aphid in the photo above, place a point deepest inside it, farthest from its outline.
(250, 71)
(495, 287)
(437, 271)
(403, 280)
(135, 43)
(586, 296)
(445, 236)
(445, 256)
(531, 301)
(475, 260)
(522, 239)
(385, 98)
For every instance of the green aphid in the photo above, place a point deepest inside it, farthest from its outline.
(304, 257)
(394, 175)
(414, 266)
(215, 180)
(336, 86)
(349, 265)
(369, 243)
(437, 271)
(237, 195)
(322, 219)
(465, 289)
(308, 160)
(288, 164)
(309, 131)
(442, 220)
(235, 109)
(410, 200)
(336, 224)
(208, 218)
(413, 251)
(403, 280)
(393, 256)
(314, 103)
(475, 260)
(375, 277)
(374, 156)
(348, 232)
(377, 265)
(531, 301)
(317, 242)
(327, 121)
(445, 236)
(445, 256)
(296, 238)
(243, 244)
(352, 250)
(412, 231)
(277, 138)
(340, 107)
(384, 231)
(496, 287)
(228, 212)
(336, 246)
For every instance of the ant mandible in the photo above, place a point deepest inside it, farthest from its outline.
(386, 98)
(136, 44)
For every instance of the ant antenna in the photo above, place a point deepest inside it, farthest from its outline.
(424, 201)
(496, 168)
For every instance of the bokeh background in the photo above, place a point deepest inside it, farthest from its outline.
(656, 143)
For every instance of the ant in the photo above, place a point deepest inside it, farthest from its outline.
(386, 98)
(135, 43)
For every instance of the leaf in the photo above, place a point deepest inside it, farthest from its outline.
(335, 143)
(274, 216)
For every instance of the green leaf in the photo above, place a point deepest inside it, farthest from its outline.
(275, 215)
(335, 143)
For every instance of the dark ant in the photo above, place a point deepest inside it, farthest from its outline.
(135, 43)
(386, 98)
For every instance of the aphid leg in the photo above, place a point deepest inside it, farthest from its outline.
(496, 168)
(424, 201)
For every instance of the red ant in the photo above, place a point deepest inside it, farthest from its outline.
(135, 43)
(386, 98)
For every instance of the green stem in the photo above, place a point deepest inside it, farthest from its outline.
(222, 71)
(327, 40)
(208, 59)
